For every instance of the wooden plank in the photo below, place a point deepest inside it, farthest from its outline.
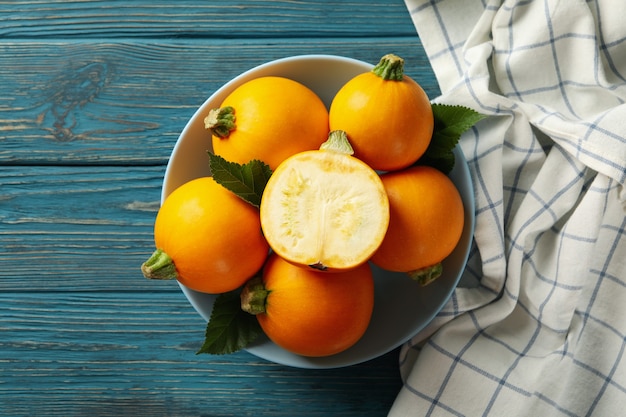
(78, 228)
(225, 19)
(125, 103)
(93, 95)
(125, 353)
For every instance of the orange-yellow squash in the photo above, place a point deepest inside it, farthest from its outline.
(267, 118)
(386, 114)
(309, 312)
(207, 238)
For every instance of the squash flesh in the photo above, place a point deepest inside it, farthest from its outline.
(324, 209)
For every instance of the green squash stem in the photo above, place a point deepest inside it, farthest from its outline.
(390, 68)
(337, 142)
(425, 276)
(220, 122)
(254, 296)
(159, 266)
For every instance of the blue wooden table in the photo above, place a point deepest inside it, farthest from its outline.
(93, 95)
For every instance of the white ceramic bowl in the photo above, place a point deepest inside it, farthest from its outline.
(402, 308)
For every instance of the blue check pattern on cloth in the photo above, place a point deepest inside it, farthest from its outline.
(539, 326)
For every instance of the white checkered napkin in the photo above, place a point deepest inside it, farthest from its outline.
(539, 327)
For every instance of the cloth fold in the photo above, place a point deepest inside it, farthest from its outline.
(542, 331)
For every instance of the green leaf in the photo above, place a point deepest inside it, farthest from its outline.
(451, 121)
(246, 181)
(229, 328)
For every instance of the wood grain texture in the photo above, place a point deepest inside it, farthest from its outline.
(188, 18)
(93, 95)
(126, 103)
(84, 228)
(124, 353)
(83, 333)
